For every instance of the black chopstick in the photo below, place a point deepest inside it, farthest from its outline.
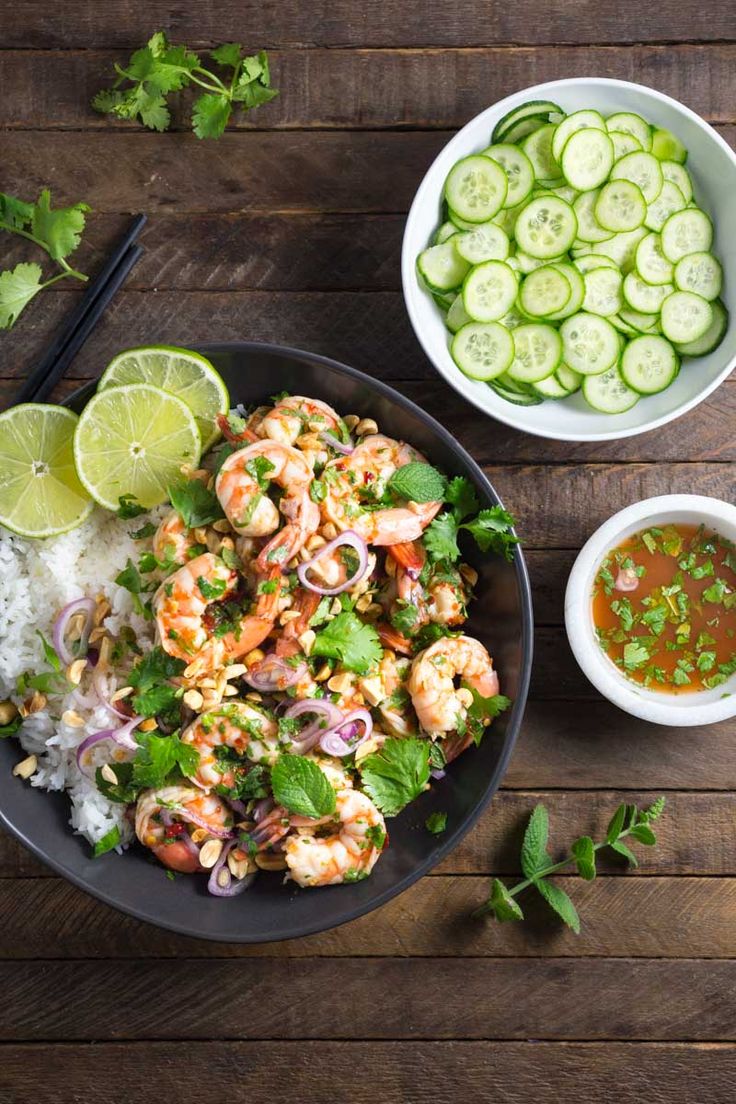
(82, 321)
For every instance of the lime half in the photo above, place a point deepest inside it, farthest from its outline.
(40, 492)
(133, 440)
(185, 374)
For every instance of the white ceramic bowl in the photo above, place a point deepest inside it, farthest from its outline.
(697, 708)
(713, 168)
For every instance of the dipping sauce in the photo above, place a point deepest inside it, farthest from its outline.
(664, 608)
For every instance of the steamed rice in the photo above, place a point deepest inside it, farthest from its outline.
(37, 579)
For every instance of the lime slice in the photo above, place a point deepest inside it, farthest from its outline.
(40, 492)
(186, 374)
(133, 440)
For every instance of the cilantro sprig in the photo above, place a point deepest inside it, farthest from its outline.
(160, 759)
(159, 69)
(396, 773)
(536, 862)
(57, 231)
(490, 528)
(354, 643)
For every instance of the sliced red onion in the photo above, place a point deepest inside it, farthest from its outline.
(237, 806)
(626, 580)
(274, 673)
(328, 716)
(437, 773)
(343, 739)
(194, 818)
(61, 624)
(101, 689)
(352, 540)
(335, 443)
(262, 808)
(232, 886)
(120, 735)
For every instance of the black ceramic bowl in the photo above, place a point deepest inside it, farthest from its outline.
(501, 618)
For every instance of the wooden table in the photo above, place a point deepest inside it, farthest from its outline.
(288, 229)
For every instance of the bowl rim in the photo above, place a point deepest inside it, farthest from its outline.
(677, 711)
(455, 835)
(425, 194)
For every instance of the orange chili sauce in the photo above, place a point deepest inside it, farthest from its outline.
(690, 646)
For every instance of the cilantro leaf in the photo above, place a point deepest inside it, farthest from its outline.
(17, 287)
(462, 497)
(716, 592)
(109, 841)
(491, 531)
(154, 694)
(11, 727)
(301, 787)
(436, 823)
(129, 507)
(196, 505)
(15, 214)
(60, 231)
(210, 115)
(404, 617)
(417, 482)
(349, 640)
(122, 791)
(229, 54)
(159, 756)
(396, 773)
(440, 539)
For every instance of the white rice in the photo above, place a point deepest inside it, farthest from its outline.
(37, 579)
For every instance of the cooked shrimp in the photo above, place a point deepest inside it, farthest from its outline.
(354, 482)
(172, 540)
(441, 600)
(295, 416)
(237, 725)
(181, 605)
(241, 485)
(348, 854)
(164, 817)
(438, 704)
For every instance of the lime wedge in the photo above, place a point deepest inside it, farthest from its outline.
(40, 492)
(133, 440)
(185, 374)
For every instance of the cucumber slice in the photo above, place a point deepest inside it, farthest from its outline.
(487, 242)
(643, 170)
(538, 148)
(649, 364)
(666, 146)
(589, 229)
(577, 286)
(701, 273)
(712, 337)
(528, 264)
(685, 317)
(489, 291)
(444, 299)
(651, 263)
(623, 328)
(647, 298)
(685, 232)
(564, 191)
(547, 227)
(441, 268)
(476, 188)
(458, 223)
(608, 393)
(669, 201)
(518, 169)
(589, 343)
(482, 350)
(678, 175)
(521, 130)
(444, 233)
(537, 352)
(620, 206)
(589, 261)
(602, 291)
(579, 120)
(621, 248)
(587, 159)
(629, 123)
(551, 388)
(533, 109)
(506, 218)
(510, 394)
(544, 292)
(513, 319)
(457, 316)
(623, 143)
(570, 380)
(639, 321)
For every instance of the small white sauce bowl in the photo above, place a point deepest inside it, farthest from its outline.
(699, 707)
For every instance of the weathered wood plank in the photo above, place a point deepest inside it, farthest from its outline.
(373, 88)
(694, 838)
(644, 917)
(470, 999)
(373, 23)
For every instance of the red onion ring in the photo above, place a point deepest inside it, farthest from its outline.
(335, 443)
(352, 540)
(98, 682)
(61, 624)
(273, 673)
(328, 718)
(121, 736)
(233, 886)
(332, 743)
(201, 822)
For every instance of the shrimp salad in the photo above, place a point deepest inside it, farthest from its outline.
(294, 670)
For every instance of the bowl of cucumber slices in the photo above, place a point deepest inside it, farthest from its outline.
(569, 260)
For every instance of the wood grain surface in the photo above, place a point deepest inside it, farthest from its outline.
(289, 230)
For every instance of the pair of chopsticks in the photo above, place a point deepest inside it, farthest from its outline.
(83, 320)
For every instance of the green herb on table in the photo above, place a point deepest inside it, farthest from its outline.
(58, 232)
(536, 863)
(160, 69)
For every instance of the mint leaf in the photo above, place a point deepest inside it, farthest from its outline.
(557, 899)
(644, 834)
(195, 504)
(504, 907)
(17, 287)
(396, 773)
(436, 823)
(301, 787)
(615, 824)
(110, 840)
(417, 482)
(583, 851)
(534, 857)
(350, 641)
(621, 849)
